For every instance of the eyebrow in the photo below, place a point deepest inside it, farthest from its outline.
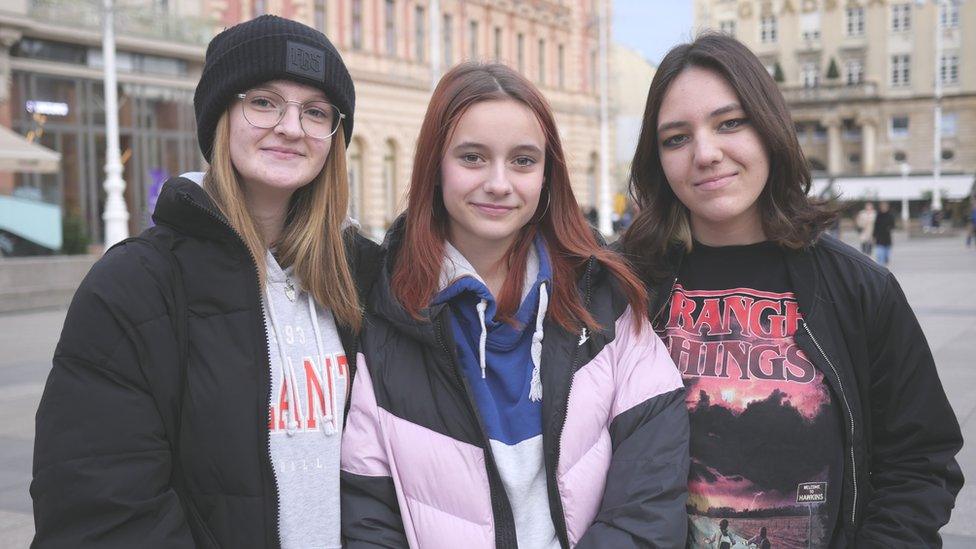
(474, 145)
(731, 107)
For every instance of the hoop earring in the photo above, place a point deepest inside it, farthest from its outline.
(544, 211)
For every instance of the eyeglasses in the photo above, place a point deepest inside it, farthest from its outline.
(265, 109)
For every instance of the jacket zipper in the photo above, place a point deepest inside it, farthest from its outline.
(506, 536)
(674, 282)
(562, 528)
(267, 354)
(850, 414)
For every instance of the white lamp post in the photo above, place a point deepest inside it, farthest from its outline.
(905, 170)
(940, 5)
(605, 205)
(116, 214)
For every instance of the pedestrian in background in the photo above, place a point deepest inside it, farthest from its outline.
(884, 223)
(865, 227)
(199, 385)
(808, 374)
(511, 391)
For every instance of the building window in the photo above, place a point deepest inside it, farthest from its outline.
(853, 72)
(448, 34)
(498, 43)
(767, 29)
(901, 17)
(389, 179)
(810, 26)
(420, 33)
(390, 23)
(357, 24)
(810, 74)
(855, 21)
(849, 130)
(594, 85)
(950, 123)
(321, 22)
(356, 171)
(562, 66)
(948, 154)
(542, 62)
(727, 27)
(949, 15)
(898, 127)
(473, 39)
(949, 68)
(901, 70)
(900, 156)
(521, 52)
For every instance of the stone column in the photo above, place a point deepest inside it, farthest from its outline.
(834, 149)
(868, 144)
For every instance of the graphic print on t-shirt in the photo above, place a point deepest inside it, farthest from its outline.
(761, 420)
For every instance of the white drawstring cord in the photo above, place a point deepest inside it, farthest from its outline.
(535, 387)
(329, 425)
(483, 340)
(294, 413)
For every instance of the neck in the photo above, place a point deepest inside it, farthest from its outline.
(488, 260)
(269, 211)
(738, 232)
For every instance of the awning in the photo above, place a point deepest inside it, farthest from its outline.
(893, 187)
(19, 155)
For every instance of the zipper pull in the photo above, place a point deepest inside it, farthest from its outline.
(583, 337)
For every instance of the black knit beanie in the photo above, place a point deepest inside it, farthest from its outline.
(263, 49)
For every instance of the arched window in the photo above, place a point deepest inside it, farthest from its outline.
(389, 179)
(356, 171)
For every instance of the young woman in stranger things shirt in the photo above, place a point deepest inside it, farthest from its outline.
(198, 389)
(817, 415)
(507, 394)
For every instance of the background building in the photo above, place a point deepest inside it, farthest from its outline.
(51, 90)
(859, 76)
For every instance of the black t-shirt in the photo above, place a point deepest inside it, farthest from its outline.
(766, 438)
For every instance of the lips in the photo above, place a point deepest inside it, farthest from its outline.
(494, 210)
(716, 182)
(283, 152)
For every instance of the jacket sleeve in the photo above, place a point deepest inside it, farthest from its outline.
(647, 482)
(369, 507)
(102, 460)
(915, 435)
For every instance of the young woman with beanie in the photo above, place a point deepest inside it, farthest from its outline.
(508, 394)
(199, 386)
(816, 406)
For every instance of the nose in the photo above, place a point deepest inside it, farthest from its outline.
(497, 182)
(290, 124)
(707, 150)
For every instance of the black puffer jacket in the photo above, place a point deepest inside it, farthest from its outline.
(901, 436)
(133, 451)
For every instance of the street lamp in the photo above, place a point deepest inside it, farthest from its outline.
(604, 209)
(116, 215)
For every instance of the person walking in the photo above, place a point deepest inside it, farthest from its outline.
(884, 223)
(865, 226)
(198, 389)
(807, 372)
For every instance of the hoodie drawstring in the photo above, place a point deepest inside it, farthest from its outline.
(535, 388)
(483, 340)
(296, 416)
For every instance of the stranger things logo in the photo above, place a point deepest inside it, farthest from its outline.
(741, 333)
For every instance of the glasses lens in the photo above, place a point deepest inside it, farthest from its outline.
(320, 119)
(263, 108)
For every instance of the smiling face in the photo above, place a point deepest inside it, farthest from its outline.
(279, 160)
(492, 174)
(713, 158)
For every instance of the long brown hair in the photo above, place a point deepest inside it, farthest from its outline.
(569, 240)
(789, 217)
(311, 240)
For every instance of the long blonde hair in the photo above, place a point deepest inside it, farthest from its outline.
(311, 240)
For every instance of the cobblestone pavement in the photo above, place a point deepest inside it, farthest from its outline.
(938, 275)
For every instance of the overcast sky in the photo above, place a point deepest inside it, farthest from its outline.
(651, 27)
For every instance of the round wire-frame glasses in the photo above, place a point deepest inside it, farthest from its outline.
(264, 109)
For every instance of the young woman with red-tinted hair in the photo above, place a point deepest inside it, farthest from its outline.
(506, 394)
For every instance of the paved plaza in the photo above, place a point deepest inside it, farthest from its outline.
(938, 275)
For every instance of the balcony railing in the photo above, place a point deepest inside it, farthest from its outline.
(145, 21)
(829, 93)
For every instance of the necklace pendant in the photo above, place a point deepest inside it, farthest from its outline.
(290, 290)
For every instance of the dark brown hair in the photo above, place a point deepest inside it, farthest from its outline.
(568, 238)
(789, 217)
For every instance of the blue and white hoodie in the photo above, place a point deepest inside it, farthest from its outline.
(501, 365)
